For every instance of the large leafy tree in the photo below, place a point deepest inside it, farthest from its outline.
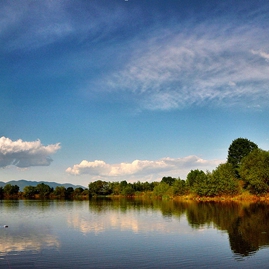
(43, 190)
(179, 187)
(254, 171)
(194, 177)
(197, 182)
(168, 180)
(238, 149)
(99, 187)
(29, 191)
(11, 189)
(60, 192)
(161, 189)
(223, 181)
(128, 190)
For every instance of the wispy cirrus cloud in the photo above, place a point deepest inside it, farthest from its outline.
(25, 154)
(142, 169)
(261, 53)
(28, 25)
(207, 64)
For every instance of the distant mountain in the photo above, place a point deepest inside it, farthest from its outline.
(22, 183)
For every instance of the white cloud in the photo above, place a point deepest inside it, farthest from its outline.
(25, 154)
(143, 169)
(33, 24)
(197, 66)
(261, 54)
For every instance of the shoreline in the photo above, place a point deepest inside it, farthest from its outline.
(237, 198)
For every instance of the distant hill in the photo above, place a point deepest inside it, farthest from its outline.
(22, 183)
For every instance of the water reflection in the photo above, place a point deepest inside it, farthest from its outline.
(245, 223)
(27, 239)
(26, 231)
(38, 225)
(249, 231)
(137, 216)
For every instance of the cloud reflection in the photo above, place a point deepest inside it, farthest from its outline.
(131, 221)
(27, 239)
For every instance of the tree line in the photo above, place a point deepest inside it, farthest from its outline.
(246, 171)
(42, 191)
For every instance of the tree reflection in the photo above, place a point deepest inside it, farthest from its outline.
(245, 223)
(250, 230)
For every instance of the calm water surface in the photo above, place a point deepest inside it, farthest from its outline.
(122, 233)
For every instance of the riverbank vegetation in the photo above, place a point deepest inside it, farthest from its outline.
(42, 191)
(244, 176)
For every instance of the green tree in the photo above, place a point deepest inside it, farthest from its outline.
(78, 190)
(11, 189)
(116, 188)
(223, 181)
(99, 187)
(123, 184)
(162, 189)
(238, 149)
(29, 191)
(196, 179)
(60, 191)
(43, 190)
(128, 190)
(85, 193)
(147, 186)
(254, 171)
(179, 187)
(69, 192)
(201, 185)
(168, 180)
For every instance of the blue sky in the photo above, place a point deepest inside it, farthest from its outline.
(129, 90)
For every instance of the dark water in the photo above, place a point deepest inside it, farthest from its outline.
(107, 233)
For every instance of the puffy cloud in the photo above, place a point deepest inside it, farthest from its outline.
(142, 168)
(25, 154)
(94, 168)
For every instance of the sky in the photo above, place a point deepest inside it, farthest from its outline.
(129, 90)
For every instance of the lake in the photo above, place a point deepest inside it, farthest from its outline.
(133, 233)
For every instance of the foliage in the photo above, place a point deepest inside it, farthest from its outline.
(43, 190)
(168, 180)
(179, 187)
(254, 171)
(247, 167)
(196, 182)
(143, 186)
(29, 191)
(223, 181)
(11, 189)
(239, 148)
(193, 177)
(128, 190)
(100, 187)
(201, 184)
(116, 188)
(161, 189)
(70, 191)
(60, 192)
